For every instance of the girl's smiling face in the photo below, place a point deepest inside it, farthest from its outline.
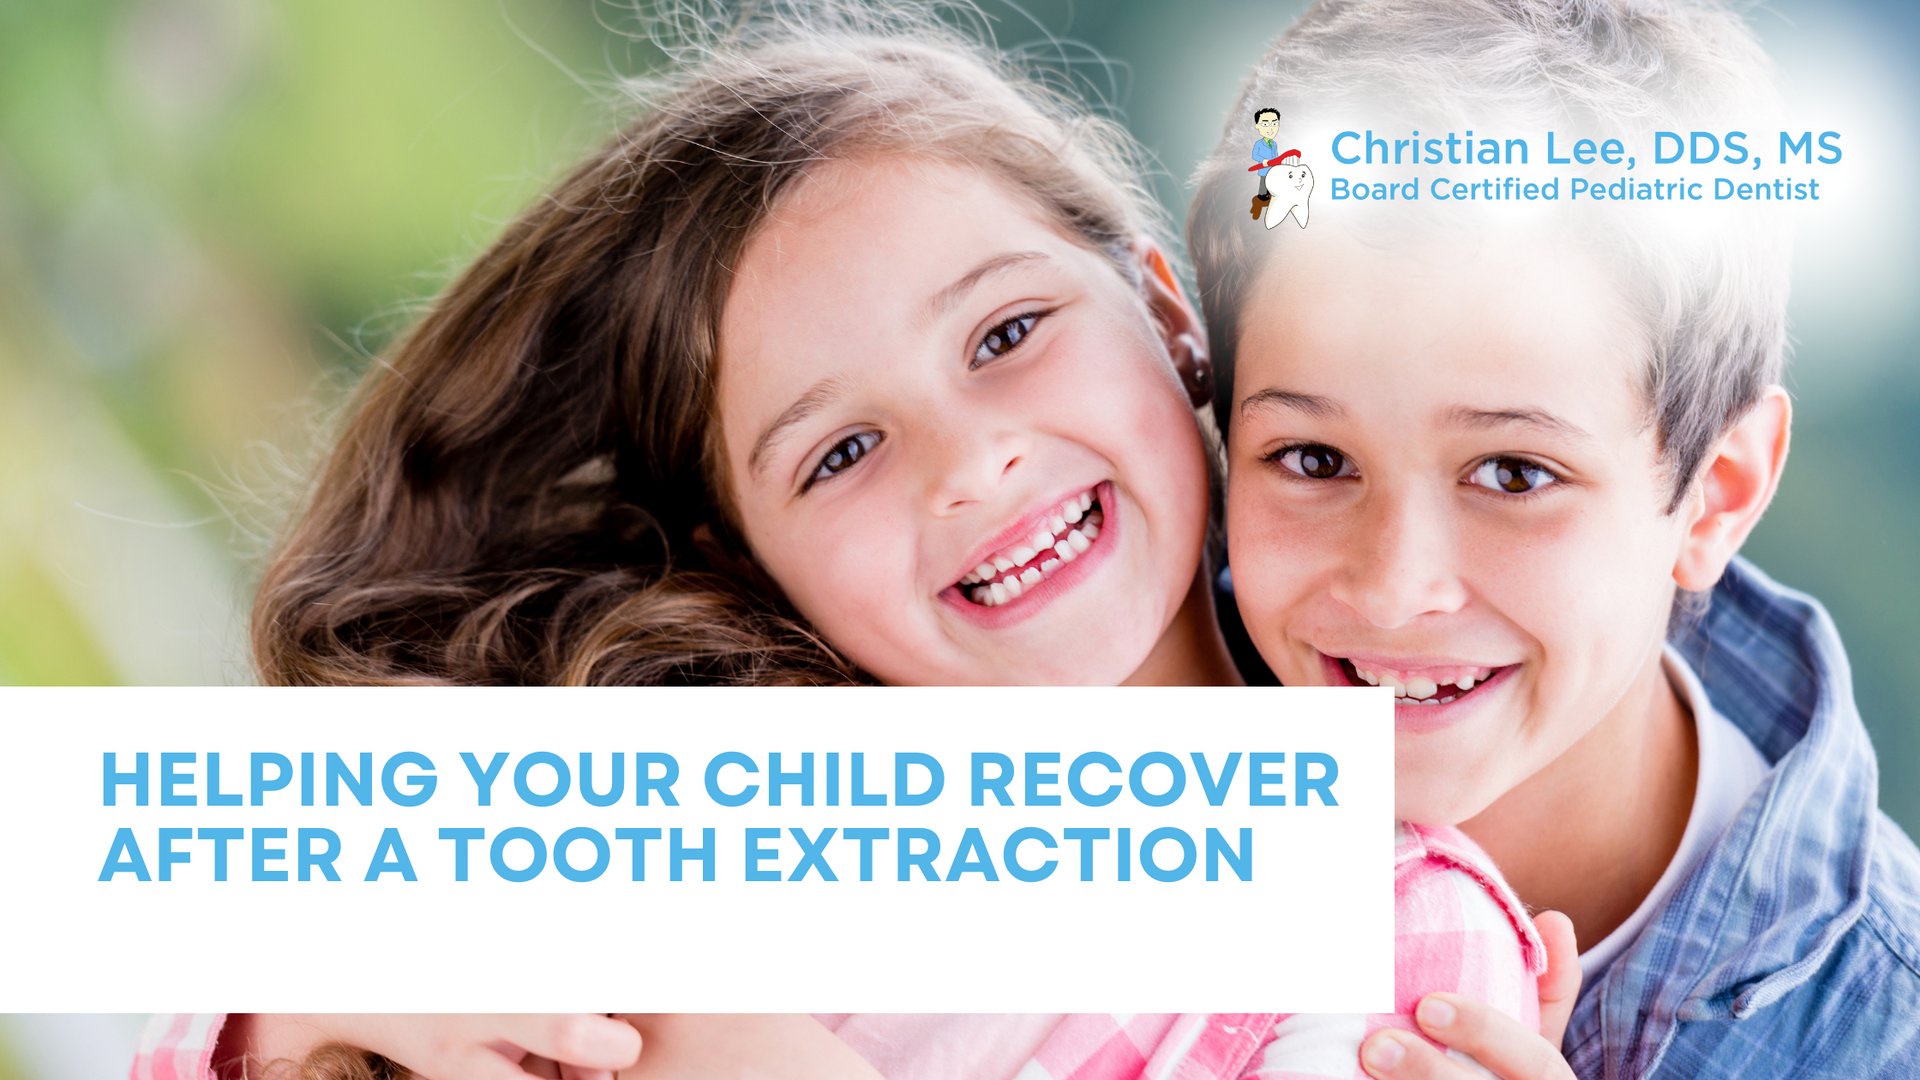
(958, 439)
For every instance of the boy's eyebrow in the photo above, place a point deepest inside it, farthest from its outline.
(944, 300)
(1312, 404)
(1463, 416)
(817, 397)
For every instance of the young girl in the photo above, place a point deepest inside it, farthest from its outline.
(853, 359)
(940, 429)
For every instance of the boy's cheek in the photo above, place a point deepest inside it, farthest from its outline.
(1262, 588)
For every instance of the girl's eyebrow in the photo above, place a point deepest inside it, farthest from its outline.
(817, 397)
(820, 394)
(944, 300)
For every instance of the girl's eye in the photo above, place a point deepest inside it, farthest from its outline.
(844, 455)
(1004, 338)
(1316, 462)
(1512, 474)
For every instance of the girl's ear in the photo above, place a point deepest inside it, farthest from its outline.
(1180, 327)
(1742, 471)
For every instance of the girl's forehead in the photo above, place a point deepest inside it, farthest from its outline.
(862, 184)
(877, 237)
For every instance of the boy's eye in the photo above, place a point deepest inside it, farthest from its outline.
(1004, 338)
(844, 455)
(1511, 474)
(1317, 462)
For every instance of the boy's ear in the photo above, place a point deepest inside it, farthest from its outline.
(1741, 472)
(1179, 325)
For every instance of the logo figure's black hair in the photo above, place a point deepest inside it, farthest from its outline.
(1258, 113)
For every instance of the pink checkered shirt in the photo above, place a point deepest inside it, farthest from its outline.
(1457, 926)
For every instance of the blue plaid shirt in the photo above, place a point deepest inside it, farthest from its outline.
(1793, 949)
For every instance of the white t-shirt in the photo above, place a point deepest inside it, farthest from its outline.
(1730, 768)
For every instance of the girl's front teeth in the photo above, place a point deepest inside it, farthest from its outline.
(1065, 535)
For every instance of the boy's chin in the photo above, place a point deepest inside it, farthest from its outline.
(1437, 801)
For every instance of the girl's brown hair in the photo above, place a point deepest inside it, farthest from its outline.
(527, 488)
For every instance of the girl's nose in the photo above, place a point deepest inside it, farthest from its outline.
(969, 461)
(1399, 563)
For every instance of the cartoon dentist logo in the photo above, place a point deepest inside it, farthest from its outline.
(1293, 182)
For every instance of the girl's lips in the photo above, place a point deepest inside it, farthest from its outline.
(1057, 582)
(1448, 706)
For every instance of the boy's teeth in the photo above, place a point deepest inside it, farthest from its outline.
(1071, 513)
(1086, 500)
(983, 571)
(999, 593)
(1048, 566)
(1041, 540)
(1078, 542)
(1424, 689)
(1065, 551)
(1058, 523)
(1031, 577)
(1002, 564)
(1013, 587)
(1020, 556)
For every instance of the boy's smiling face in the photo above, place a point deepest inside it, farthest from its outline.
(1442, 475)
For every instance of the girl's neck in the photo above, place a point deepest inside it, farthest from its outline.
(1192, 651)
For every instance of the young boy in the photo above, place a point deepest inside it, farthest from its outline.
(1502, 459)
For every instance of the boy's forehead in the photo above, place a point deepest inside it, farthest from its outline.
(1492, 317)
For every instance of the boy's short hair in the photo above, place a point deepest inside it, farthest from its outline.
(1258, 113)
(1710, 288)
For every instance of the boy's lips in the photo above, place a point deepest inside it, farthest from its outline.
(1429, 693)
(1046, 552)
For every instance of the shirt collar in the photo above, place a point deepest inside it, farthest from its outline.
(1775, 894)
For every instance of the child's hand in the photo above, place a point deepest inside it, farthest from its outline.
(1495, 1040)
(1560, 985)
(451, 1046)
(701, 1046)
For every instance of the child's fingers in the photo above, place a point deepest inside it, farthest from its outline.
(1494, 1039)
(1392, 1054)
(581, 1040)
(484, 1063)
(536, 1066)
(1560, 985)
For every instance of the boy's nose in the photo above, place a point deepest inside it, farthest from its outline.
(1398, 564)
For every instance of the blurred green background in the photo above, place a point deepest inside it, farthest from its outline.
(212, 212)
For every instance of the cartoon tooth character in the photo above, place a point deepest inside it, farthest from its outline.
(1293, 183)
